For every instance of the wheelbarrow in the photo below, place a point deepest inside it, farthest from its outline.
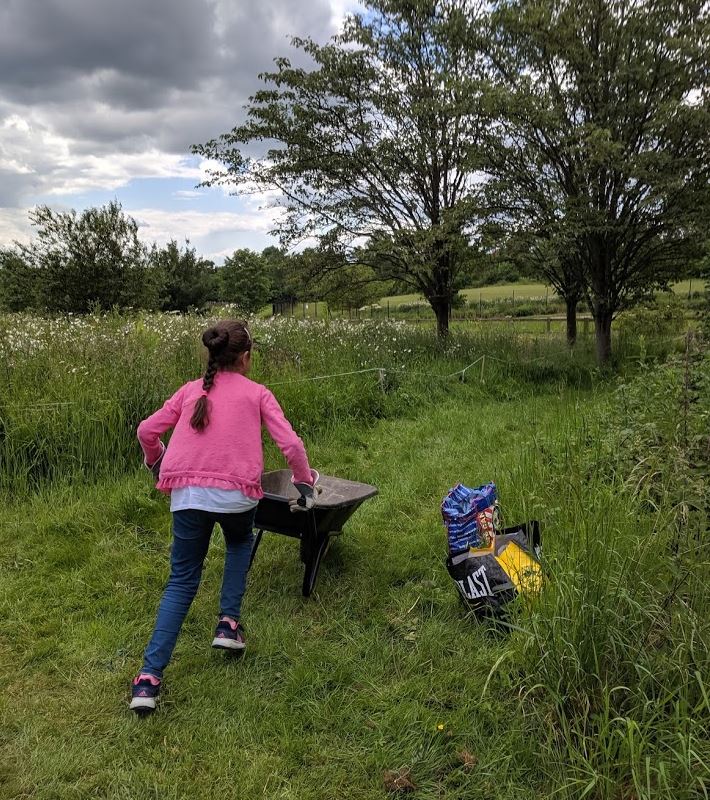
(337, 502)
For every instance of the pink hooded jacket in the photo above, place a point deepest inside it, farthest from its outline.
(228, 453)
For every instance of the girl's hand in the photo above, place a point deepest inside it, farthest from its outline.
(309, 494)
(155, 466)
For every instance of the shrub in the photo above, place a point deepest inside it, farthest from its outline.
(662, 318)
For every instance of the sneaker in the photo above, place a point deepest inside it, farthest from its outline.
(229, 635)
(144, 693)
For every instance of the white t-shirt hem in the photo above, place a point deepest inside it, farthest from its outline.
(217, 501)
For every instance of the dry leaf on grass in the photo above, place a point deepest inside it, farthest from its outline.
(399, 780)
(468, 760)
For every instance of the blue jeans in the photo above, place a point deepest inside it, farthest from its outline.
(192, 530)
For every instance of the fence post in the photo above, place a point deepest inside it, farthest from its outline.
(480, 304)
(381, 380)
(546, 300)
(547, 321)
(586, 327)
(388, 309)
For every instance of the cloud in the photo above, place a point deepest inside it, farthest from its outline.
(160, 226)
(97, 93)
(131, 75)
(35, 159)
(14, 226)
(215, 234)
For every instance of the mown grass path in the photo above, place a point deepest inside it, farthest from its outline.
(333, 690)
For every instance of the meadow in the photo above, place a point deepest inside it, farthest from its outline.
(514, 307)
(523, 291)
(597, 688)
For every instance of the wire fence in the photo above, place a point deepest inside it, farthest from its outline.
(507, 313)
(382, 371)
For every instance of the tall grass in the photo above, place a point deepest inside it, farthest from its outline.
(599, 690)
(615, 654)
(75, 388)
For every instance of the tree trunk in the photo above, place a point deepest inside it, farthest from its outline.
(571, 303)
(441, 309)
(602, 330)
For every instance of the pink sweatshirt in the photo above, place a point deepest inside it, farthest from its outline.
(228, 453)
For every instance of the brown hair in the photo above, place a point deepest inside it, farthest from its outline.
(225, 342)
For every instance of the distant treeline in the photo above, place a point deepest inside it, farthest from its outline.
(77, 262)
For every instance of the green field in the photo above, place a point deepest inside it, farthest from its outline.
(518, 293)
(598, 688)
(521, 291)
(496, 292)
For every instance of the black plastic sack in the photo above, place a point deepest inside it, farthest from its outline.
(487, 580)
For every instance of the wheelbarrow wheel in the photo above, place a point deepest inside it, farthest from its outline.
(310, 576)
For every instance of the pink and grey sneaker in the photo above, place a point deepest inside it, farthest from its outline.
(229, 635)
(144, 693)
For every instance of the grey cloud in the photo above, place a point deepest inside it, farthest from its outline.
(49, 42)
(15, 186)
(128, 76)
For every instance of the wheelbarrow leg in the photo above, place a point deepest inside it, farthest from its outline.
(255, 546)
(319, 548)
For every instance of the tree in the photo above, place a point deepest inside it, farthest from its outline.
(546, 252)
(185, 277)
(526, 214)
(379, 138)
(280, 268)
(90, 259)
(351, 287)
(326, 275)
(18, 282)
(244, 280)
(604, 119)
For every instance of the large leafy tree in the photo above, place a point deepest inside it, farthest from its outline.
(185, 277)
(378, 137)
(326, 275)
(603, 138)
(88, 260)
(282, 276)
(244, 280)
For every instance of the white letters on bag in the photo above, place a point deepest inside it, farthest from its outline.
(476, 585)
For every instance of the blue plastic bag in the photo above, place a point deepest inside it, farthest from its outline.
(468, 516)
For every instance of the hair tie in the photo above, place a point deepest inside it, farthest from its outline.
(203, 393)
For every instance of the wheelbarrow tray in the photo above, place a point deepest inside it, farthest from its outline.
(337, 502)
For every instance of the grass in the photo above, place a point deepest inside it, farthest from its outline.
(74, 389)
(513, 300)
(332, 692)
(504, 291)
(497, 292)
(599, 690)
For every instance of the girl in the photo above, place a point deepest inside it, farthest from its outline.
(212, 470)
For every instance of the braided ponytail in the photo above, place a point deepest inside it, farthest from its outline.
(200, 414)
(225, 342)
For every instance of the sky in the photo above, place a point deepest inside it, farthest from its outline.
(101, 100)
